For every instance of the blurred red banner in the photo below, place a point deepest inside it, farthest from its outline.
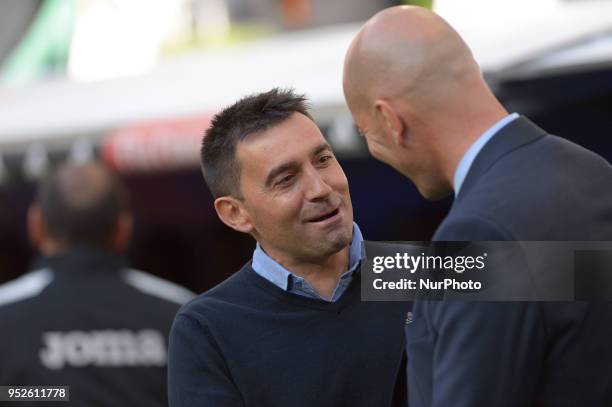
(159, 145)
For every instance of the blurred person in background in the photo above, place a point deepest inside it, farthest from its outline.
(81, 318)
(419, 98)
(289, 328)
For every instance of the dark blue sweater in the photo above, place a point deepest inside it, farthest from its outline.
(248, 343)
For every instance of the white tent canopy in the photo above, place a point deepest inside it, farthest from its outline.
(309, 61)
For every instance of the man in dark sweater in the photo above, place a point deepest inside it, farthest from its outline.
(289, 328)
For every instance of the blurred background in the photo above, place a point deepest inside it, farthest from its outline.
(134, 83)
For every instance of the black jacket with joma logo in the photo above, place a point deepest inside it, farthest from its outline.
(81, 319)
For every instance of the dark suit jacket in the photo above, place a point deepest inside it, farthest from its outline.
(523, 185)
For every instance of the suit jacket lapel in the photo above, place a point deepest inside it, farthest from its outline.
(512, 136)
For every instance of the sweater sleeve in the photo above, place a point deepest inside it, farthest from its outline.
(197, 373)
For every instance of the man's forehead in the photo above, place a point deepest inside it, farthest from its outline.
(281, 142)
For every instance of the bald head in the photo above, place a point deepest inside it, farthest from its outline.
(405, 51)
(417, 95)
(81, 205)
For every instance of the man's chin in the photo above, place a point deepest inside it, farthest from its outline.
(435, 194)
(380, 157)
(337, 241)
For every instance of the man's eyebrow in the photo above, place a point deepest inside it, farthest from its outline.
(320, 148)
(279, 170)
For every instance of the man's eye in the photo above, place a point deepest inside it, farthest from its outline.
(285, 180)
(325, 158)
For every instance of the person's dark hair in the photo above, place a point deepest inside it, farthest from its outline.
(81, 204)
(251, 114)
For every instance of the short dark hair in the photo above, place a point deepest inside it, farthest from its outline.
(251, 114)
(81, 204)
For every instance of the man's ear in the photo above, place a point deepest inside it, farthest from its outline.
(37, 230)
(39, 235)
(391, 120)
(232, 212)
(123, 232)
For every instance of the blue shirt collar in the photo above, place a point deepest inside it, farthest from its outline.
(470, 155)
(272, 271)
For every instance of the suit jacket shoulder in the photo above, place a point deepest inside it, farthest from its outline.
(529, 185)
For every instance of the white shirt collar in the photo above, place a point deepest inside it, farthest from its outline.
(470, 155)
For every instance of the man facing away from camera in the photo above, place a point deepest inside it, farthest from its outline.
(81, 318)
(289, 328)
(418, 96)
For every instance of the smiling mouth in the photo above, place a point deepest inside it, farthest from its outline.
(326, 216)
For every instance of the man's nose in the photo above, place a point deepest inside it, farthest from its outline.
(317, 188)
